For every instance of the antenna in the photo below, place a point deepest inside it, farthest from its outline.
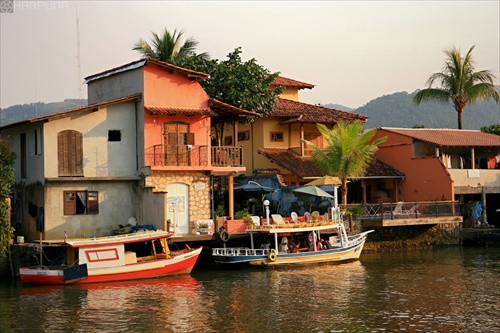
(78, 58)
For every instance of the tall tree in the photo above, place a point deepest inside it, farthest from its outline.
(7, 180)
(244, 84)
(459, 82)
(349, 151)
(168, 47)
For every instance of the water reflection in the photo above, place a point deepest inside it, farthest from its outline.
(450, 290)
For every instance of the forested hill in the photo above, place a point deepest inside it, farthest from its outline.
(20, 112)
(397, 110)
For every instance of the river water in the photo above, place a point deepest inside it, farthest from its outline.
(443, 290)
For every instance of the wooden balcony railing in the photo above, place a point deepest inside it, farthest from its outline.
(227, 156)
(193, 155)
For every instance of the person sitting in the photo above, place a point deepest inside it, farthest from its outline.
(295, 247)
(284, 244)
(325, 244)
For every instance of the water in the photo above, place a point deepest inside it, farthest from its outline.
(445, 290)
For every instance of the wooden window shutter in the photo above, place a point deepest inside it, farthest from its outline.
(69, 203)
(70, 153)
(190, 138)
(92, 202)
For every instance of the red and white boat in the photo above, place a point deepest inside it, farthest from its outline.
(140, 255)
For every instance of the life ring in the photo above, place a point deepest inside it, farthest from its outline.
(224, 236)
(272, 256)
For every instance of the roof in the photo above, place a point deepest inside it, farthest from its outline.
(194, 75)
(297, 112)
(91, 107)
(219, 111)
(179, 111)
(226, 112)
(449, 137)
(306, 167)
(286, 82)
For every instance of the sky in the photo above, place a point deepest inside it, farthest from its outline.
(352, 51)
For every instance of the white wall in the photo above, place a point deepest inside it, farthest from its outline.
(101, 158)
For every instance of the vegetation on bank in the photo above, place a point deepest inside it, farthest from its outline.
(7, 181)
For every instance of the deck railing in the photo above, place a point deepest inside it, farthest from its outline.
(407, 210)
(193, 155)
(227, 156)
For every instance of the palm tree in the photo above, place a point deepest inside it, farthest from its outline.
(460, 83)
(349, 151)
(167, 47)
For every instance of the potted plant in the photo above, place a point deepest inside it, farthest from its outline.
(203, 228)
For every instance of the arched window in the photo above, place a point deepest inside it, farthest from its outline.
(70, 153)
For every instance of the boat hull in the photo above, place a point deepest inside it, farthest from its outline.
(175, 265)
(349, 251)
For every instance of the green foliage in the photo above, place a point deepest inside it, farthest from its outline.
(241, 214)
(349, 151)
(238, 83)
(220, 210)
(493, 129)
(459, 83)
(7, 180)
(168, 46)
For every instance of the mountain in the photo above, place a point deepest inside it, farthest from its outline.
(397, 110)
(20, 112)
(394, 110)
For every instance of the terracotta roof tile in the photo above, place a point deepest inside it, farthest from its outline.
(449, 137)
(91, 107)
(179, 111)
(306, 167)
(295, 112)
(286, 82)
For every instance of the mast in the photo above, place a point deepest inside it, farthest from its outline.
(78, 58)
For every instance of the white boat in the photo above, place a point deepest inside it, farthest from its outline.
(140, 255)
(341, 247)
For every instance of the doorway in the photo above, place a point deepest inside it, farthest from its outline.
(178, 209)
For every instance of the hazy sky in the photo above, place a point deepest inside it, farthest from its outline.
(353, 51)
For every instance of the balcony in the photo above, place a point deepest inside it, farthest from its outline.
(173, 156)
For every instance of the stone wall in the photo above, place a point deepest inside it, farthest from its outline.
(413, 237)
(199, 190)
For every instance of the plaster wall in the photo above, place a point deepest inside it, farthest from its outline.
(172, 90)
(290, 93)
(426, 178)
(116, 206)
(33, 156)
(116, 86)
(101, 158)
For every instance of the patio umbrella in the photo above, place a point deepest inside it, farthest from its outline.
(253, 187)
(313, 190)
(326, 180)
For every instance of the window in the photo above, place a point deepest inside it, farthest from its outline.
(81, 202)
(23, 156)
(70, 153)
(228, 141)
(38, 142)
(114, 136)
(243, 136)
(277, 136)
(315, 138)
